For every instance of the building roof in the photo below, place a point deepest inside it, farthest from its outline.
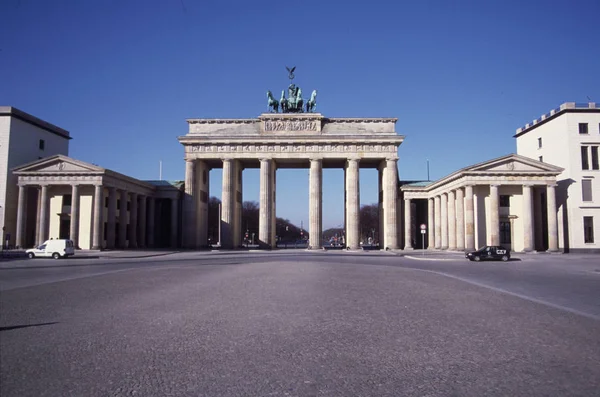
(28, 118)
(567, 107)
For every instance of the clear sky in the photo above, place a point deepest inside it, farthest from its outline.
(460, 76)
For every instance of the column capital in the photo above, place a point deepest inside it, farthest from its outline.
(352, 160)
(316, 159)
(264, 159)
(392, 159)
(552, 185)
(189, 160)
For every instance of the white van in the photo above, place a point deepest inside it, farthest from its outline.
(53, 248)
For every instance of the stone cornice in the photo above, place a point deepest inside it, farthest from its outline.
(361, 120)
(222, 121)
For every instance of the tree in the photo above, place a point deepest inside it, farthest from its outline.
(369, 222)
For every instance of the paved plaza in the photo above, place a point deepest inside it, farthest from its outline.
(299, 323)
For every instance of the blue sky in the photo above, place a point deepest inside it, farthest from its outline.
(460, 76)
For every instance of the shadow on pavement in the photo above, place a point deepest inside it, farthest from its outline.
(25, 326)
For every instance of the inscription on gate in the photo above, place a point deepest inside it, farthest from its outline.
(291, 125)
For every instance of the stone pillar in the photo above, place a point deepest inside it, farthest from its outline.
(315, 210)
(552, 218)
(142, 223)
(265, 210)
(469, 219)
(538, 219)
(123, 220)
(237, 204)
(43, 224)
(133, 209)
(381, 213)
(460, 220)
(111, 218)
(438, 222)
(352, 205)
(527, 219)
(21, 217)
(407, 226)
(174, 222)
(150, 231)
(98, 221)
(444, 216)
(38, 217)
(390, 192)
(430, 224)
(74, 232)
(189, 203)
(273, 204)
(202, 187)
(451, 220)
(494, 215)
(227, 205)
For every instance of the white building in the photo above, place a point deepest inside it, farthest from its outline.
(569, 137)
(23, 138)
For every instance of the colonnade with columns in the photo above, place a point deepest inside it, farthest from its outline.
(451, 223)
(136, 225)
(196, 191)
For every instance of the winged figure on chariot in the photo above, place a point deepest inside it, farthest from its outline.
(294, 103)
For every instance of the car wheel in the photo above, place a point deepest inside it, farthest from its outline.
(56, 255)
(504, 258)
(476, 258)
(31, 255)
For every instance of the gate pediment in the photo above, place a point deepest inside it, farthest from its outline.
(291, 123)
(58, 164)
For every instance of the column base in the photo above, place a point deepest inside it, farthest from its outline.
(408, 249)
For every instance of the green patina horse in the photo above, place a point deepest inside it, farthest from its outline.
(283, 102)
(273, 104)
(311, 104)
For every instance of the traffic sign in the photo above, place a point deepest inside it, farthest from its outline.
(423, 226)
(423, 231)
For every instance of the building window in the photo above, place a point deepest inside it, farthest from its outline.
(588, 229)
(583, 128)
(541, 158)
(539, 143)
(128, 205)
(42, 144)
(505, 232)
(67, 199)
(118, 204)
(504, 201)
(585, 164)
(586, 187)
(595, 165)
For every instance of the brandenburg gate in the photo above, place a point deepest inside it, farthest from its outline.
(286, 140)
(298, 137)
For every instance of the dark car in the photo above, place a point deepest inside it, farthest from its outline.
(489, 253)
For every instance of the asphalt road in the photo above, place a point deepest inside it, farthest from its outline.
(300, 324)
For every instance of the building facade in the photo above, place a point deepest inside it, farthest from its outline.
(491, 203)
(569, 137)
(23, 138)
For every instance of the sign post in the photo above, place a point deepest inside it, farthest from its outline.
(423, 231)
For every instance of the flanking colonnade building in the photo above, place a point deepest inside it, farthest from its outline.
(506, 201)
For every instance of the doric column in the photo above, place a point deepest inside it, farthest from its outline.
(43, 225)
(552, 218)
(381, 201)
(150, 225)
(444, 216)
(227, 205)
(438, 222)
(123, 220)
(451, 220)
(352, 204)
(407, 225)
(174, 222)
(430, 225)
(111, 221)
(142, 222)
(494, 215)
(527, 219)
(189, 204)
(469, 219)
(133, 213)
(390, 192)
(315, 211)
(202, 187)
(460, 220)
(98, 221)
(273, 205)
(237, 204)
(21, 216)
(38, 214)
(74, 232)
(265, 206)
